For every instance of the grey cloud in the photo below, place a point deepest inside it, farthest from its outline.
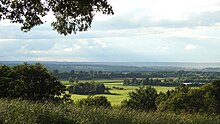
(125, 21)
(194, 20)
(118, 26)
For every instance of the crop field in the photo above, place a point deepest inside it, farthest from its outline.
(117, 95)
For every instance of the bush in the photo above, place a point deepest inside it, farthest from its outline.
(142, 99)
(98, 101)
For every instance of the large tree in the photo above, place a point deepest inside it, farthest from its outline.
(32, 82)
(71, 15)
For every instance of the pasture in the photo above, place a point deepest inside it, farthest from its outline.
(117, 95)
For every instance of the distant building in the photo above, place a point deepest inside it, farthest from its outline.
(187, 83)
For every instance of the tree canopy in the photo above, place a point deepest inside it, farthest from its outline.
(32, 82)
(141, 99)
(71, 15)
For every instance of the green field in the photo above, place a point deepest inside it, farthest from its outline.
(117, 95)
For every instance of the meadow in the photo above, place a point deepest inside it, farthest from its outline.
(117, 95)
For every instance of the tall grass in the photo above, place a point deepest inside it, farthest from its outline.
(26, 112)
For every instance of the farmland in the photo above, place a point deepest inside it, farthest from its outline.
(116, 95)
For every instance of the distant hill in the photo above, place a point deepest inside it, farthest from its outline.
(122, 66)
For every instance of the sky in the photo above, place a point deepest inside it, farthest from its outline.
(139, 31)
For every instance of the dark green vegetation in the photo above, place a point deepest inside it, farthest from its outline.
(87, 88)
(183, 99)
(26, 112)
(159, 78)
(179, 76)
(143, 98)
(97, 101)
(159, 82)
(32, 82)
(71, 15)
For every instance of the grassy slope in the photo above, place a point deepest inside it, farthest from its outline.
(118, 95)
(24, 112)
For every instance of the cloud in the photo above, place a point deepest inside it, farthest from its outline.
(71, 49)
(191, 47)
(139, 31)
(85, 44)
(130, 20)
(163, 48)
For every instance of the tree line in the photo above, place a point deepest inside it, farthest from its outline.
(181, 76)
(156, 82)
(87, 88)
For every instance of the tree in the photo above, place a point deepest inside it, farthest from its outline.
(72, 72)
(184, 99)
(56, 72)
(97, 101)
(87, 88)
(77, 80)
(33, 82)
(6, 81)
(71, 80)
(214, 90)
(71, 15)
(143, 98)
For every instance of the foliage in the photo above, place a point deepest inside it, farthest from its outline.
(98, 101)
(71, 80)
(27, 81)
(184, 99)
(142, 99)
(87, 88)
(216, 93)
(25, 112)
(71, 15)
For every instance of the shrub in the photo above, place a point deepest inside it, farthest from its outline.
(142, 99)
(98, 101)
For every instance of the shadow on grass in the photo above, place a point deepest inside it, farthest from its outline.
(97, 94)
(112, 94)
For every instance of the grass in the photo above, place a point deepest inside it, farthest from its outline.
(117, 96)
(26, 112)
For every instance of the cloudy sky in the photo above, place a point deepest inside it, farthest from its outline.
(140, 31)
